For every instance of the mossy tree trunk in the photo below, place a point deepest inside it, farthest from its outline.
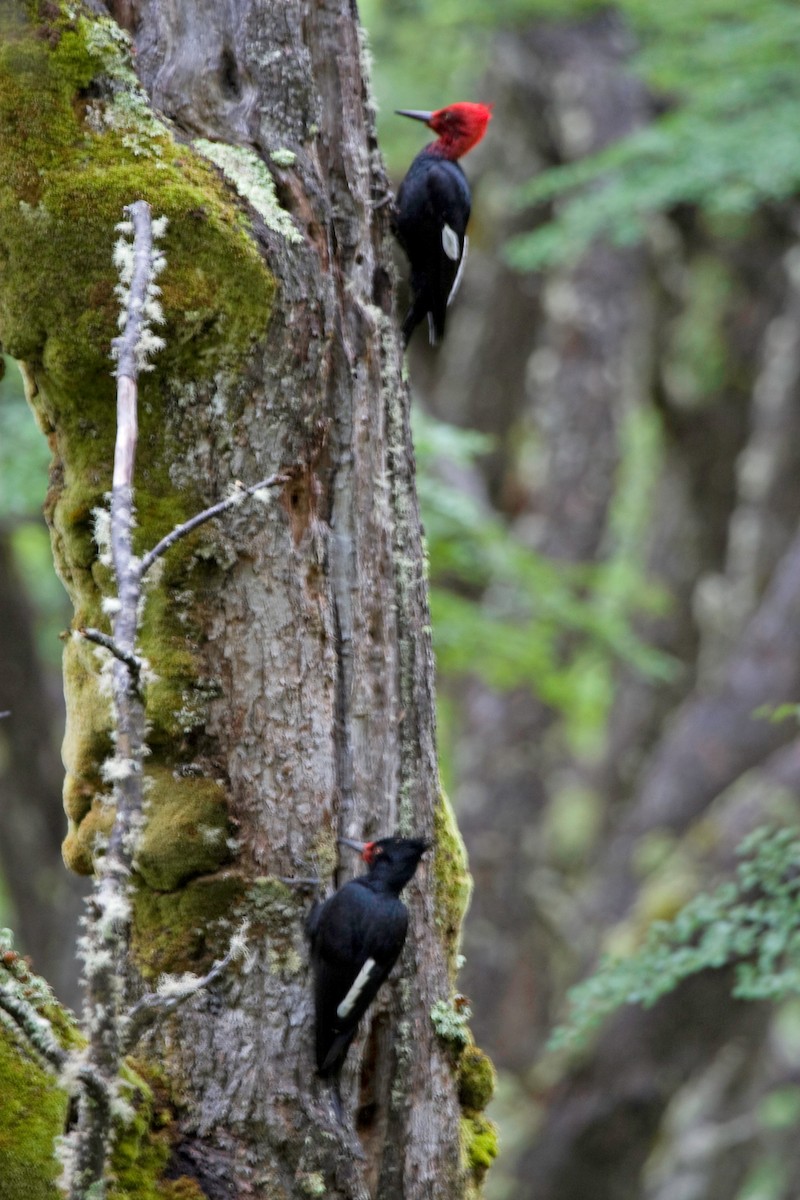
(290, 700)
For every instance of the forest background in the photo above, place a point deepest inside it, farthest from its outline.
(608, 447)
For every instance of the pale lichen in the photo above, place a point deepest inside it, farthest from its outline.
(283, 157)
(451, 1022)
(252, 180)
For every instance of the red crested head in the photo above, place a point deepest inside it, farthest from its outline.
(459, 126)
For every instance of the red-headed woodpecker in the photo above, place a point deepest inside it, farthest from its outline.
(356, 937)
(432, 210)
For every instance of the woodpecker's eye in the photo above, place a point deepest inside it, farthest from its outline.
(378, 850)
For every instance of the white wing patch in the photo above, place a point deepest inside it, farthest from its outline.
(450, 243)
(460, 271)
(359, 983)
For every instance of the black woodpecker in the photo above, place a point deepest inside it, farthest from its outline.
(356, 937)
(432, 210)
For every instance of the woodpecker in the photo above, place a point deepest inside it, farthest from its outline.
(356, 937)
(432, 210)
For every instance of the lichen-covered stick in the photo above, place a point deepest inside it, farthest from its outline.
(239, 494)
(105, 942)
(112, 1026)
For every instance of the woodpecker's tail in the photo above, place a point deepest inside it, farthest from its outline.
(330, 1059)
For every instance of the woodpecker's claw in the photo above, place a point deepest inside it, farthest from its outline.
(386, 198)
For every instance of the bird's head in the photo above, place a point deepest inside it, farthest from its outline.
(396, 858)
(459, 126)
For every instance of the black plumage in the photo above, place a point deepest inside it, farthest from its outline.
(356, 937)
(432, 210)
(430, 222)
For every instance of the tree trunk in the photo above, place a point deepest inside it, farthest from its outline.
(291, 699)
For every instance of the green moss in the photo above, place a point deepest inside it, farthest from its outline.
(179, 931)
(33, 1106)
(143, 1144)
(87, 736)
(78, 143)
(451, 880)
(479, 1146)
(69, 170)
(79, 845)
(31, 1115)
(186, 832)
(324, 853)
(476, 1080)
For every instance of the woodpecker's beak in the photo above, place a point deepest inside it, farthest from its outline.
(414, 113)
(354, 845)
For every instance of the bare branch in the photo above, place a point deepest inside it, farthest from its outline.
(174, 992)
(133, 663)
(207, 514)
(37, 1029)
(108, 922)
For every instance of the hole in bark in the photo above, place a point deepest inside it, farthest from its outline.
(229, 74)
(298, 502)
(367, 1099)
(382, 289)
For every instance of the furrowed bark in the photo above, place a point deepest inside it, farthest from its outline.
(293, 692)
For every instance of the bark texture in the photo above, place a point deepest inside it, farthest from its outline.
(292, 696)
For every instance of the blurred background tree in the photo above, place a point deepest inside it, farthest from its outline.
(612, 508)
(609, 452)
(38, 898)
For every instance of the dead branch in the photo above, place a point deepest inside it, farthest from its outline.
(241, 493)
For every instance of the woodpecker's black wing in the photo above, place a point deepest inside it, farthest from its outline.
(356, 938)
(430, 222)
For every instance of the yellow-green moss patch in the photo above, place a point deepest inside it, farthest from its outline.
(479, 1147)
(143, 1145)
(78, 143)
(33, 1105)
(31, 1115)
(79, 845)
(87, 736)
(451, 880)
(477, 1080)
(70, 165)
(186, 832)
(183, 930)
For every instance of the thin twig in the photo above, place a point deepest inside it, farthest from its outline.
(157, 1004)
(206, 515)
(37, 1029)
(133, 663)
